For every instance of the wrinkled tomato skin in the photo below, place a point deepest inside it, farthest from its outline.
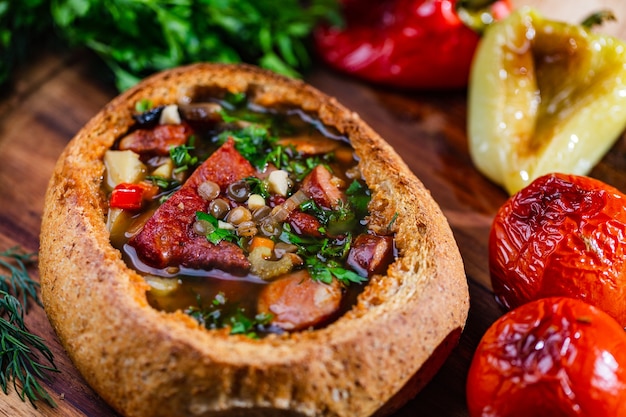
(562, 235)
(552, 357)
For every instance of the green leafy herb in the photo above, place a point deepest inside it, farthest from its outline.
(300, 166)
(253, 142)
(392, 221)
(181, 157)
(258, 186)
(322, 255)
(162, 182)
(168, 185)
(235, 99)
(359, 198)
(18, 281)
(335, 222)
(136, 38)
(143, 105)
(20, 352)
(217, 315)
(22, 24)
(325, 271)
(218, 234)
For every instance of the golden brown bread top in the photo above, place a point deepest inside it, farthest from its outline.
(150, 363)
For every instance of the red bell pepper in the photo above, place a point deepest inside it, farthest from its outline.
(130, 196)
(418, 44)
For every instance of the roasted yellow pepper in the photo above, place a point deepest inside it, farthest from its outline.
(544, 96)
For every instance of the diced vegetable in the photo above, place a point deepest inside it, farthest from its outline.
(259, 241)
(170, 115)
(131, 196)
(267, 269)
(164, 170)
(278, 182)
(123, 167)
(161, 286)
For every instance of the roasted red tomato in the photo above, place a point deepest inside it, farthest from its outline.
(554, 357)
(563, 235)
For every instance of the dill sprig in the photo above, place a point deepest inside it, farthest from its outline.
(20, 350)
(19, 281)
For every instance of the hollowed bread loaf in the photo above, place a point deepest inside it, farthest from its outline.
(145, 362)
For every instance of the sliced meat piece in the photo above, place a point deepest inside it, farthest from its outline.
(156, 141)
(304, 224)
(319, 186)
(370, 254)
(297, 302)
(168, 239)
(224, 166)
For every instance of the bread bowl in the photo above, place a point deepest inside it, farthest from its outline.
(148, 362)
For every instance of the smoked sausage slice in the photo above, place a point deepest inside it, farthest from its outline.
(168, 238)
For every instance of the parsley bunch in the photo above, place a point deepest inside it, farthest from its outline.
(21, 24)
(136, 38)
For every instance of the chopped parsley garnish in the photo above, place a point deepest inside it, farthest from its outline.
(219, 234)
(143, 105)
(235, 99)
(257, 144)
(335, 222)
(168, 185)
(299, 166)
(258, 186)
(359, 198)
(219, 314)
(325, 271)
(162, 182)
(323, 256)
(182, 159)
(253, 142)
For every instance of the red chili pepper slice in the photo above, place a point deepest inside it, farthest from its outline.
(127, 196)
(404, 43)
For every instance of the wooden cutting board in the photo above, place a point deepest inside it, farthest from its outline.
(57, 94)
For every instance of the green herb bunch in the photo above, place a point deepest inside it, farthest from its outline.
(21, 23)
(24, 357)
(139, 37)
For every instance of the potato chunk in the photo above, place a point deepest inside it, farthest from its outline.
(123, 166)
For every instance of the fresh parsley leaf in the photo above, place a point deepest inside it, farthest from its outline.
(143, 105)
(235, 99)
(318, 270)
(336, 222)
(346, 276)
(325, 271)
(218, 234)
(253, 142)
(359, 197)
(258, 186)
(300, 166)
(221, 313)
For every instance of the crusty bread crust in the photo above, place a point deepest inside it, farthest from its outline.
(150, 363)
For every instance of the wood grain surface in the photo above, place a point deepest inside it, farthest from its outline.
(56, 95)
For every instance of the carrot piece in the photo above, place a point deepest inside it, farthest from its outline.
(259, 241)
